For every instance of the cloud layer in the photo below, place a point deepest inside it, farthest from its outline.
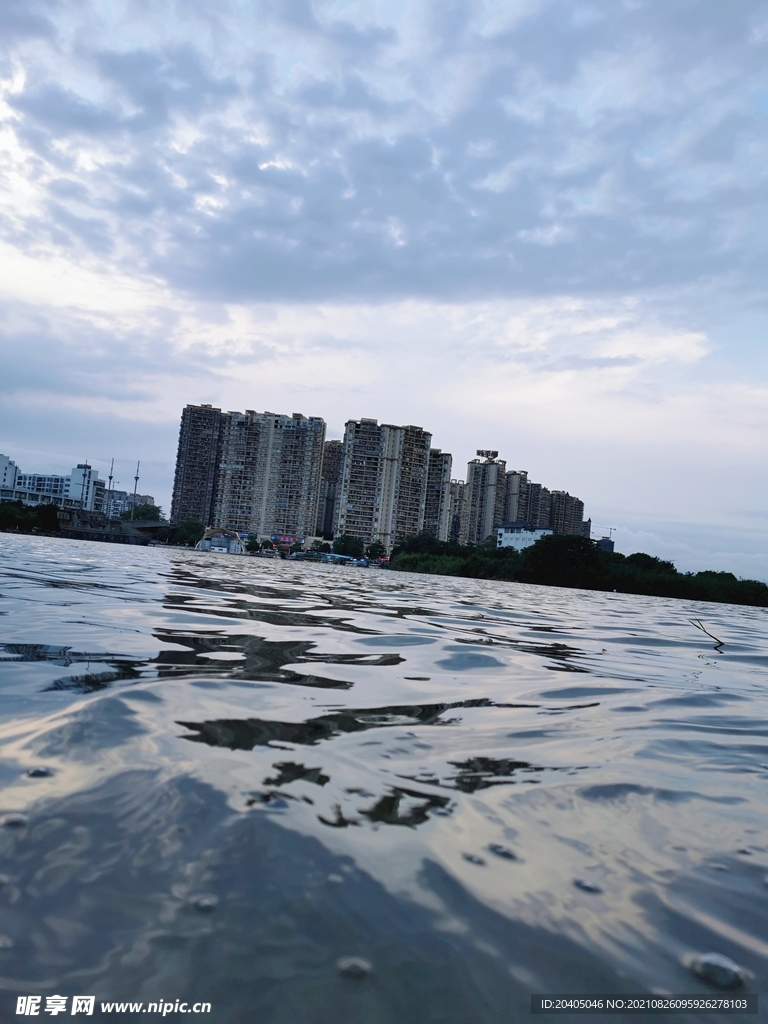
(294, 150)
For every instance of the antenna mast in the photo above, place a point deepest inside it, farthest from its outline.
(135, 488)
(109, 489)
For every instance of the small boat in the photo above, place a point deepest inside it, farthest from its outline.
(221, 541)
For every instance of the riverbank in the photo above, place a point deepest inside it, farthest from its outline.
(558, 561)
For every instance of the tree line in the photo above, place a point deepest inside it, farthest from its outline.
(565, 561)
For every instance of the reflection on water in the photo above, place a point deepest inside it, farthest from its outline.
(177, 723)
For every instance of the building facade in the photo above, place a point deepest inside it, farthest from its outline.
(485, 497)
(437, 508)
(383, 483)
(9, 471)
(519, 535)
(516, 483)
(117, 502)
(333, 458)
(457, 510)
(567, 514)
(268, 474)
(197, 460)
(82, 488)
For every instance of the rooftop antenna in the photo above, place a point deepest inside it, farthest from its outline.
(109, 488)
(135, 488)
(82, 486)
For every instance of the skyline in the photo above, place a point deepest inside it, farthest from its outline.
(534, 226)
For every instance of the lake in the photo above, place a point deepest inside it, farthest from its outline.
(221, 775)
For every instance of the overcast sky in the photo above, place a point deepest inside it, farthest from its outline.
(532, 225)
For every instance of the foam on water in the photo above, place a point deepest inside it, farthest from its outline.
(481, 789)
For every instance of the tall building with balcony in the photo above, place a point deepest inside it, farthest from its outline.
(516, 486)
(457, 510)
(437, 508)
(567, 515)
(485, 497)
(537, 506)
(383, 485)
(268, 478)
(333, 458)
(197, 460)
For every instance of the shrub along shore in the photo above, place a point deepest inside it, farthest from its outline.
(558, 561)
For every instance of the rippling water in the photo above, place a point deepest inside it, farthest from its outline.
(485, 789)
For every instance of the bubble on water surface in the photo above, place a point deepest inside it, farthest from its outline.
(205, 902)
(14, 821)
(502, 851)
(473, 859)
(354, 967)
(587, 886)
(718, 970)
(40, 772)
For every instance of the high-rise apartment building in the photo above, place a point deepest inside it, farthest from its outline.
(437, 507)
(382, 490)
(251, 472)
(567, 515)
(536, 506)
(197, 460)
(515, 496)
(268, 478)
(457, 510)
(485, 497)
(333, 457)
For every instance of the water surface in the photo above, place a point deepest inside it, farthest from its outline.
(486, 789)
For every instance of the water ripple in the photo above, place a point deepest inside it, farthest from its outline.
(350, 762)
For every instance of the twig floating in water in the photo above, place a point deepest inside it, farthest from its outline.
(697, 623)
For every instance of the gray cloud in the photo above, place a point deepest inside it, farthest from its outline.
(284, 152)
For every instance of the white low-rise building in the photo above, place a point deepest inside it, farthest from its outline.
(82, 488)
(519, 535)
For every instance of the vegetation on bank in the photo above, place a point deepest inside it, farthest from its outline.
(143, 514)
(15, 515)
(558, 561)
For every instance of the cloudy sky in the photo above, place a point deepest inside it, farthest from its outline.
(532, 225)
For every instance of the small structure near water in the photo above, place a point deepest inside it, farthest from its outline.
(224, 542)
(84, 525)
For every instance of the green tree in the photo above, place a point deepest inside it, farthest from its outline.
(143, 514)
(346, 545)
(252, 544)
(296, 546)
(562, 561)
(376, 550)
(266, 545)
(650, 562)
(186, 534)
